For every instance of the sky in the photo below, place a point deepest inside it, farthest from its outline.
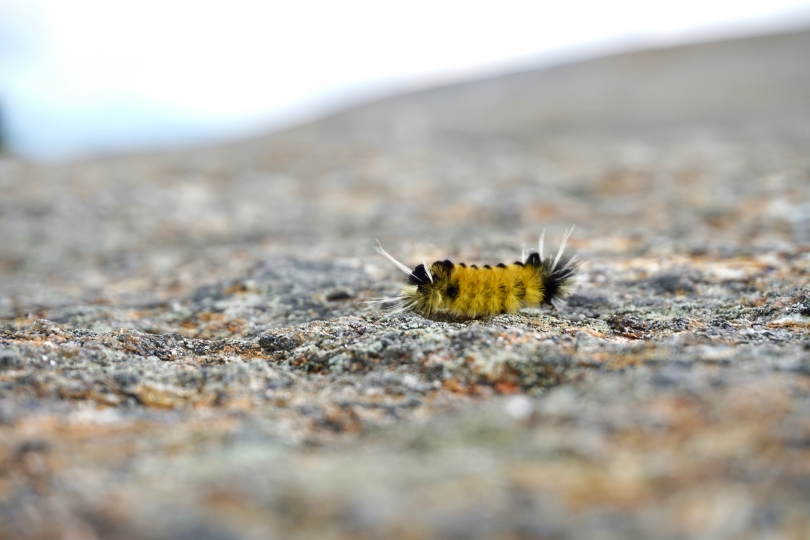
(84, 77)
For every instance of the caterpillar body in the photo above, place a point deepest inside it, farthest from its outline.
(461, 291)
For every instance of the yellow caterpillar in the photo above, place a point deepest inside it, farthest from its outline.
(459, 290)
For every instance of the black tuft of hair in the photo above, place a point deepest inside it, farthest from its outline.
(559, 280)
(534, 259)
(419, 276)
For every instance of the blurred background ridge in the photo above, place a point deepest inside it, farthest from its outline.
(90, 77)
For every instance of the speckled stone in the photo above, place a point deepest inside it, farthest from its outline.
(185, 352)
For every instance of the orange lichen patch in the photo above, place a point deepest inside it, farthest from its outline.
(541, 213)
(369, 414)
(634, 357)
(209, 325)
(785, 301)
(130, 339)
(106, 399)
(540, 325)
(343, 420)
(79, 394)
(581, 485)
(797, 323)
(727, 442)
(507, 387)
(232, 506)
(233, 326)
(207, 400)
(762, 401)
(754, 302)
(458, 388)
(37, 341)
(678, 412)
(628, 327)
(455, 385)
(598, 357)
(69, 350)
(239, 403)
(592, 332)
(236, 288)
(623, 182)
(111, 441)
(248, 350)
(189, 324)
(437, 357)
(208, 316)
(453, 213)
(508, 339)
(163, 396)
(695, 324)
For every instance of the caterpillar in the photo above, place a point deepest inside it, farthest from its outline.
(462, 291)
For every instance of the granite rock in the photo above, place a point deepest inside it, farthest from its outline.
(185, 352)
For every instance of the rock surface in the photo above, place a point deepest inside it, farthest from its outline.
(184, 352)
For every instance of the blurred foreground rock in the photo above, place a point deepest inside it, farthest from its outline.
(183, 352)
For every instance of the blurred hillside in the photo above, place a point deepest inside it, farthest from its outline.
(755, 80)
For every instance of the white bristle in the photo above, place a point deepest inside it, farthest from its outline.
(540, 244)
(385, 254)
(562, 247)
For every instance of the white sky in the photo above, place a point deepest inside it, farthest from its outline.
(83, 76)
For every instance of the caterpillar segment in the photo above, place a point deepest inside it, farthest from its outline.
(461, 291)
